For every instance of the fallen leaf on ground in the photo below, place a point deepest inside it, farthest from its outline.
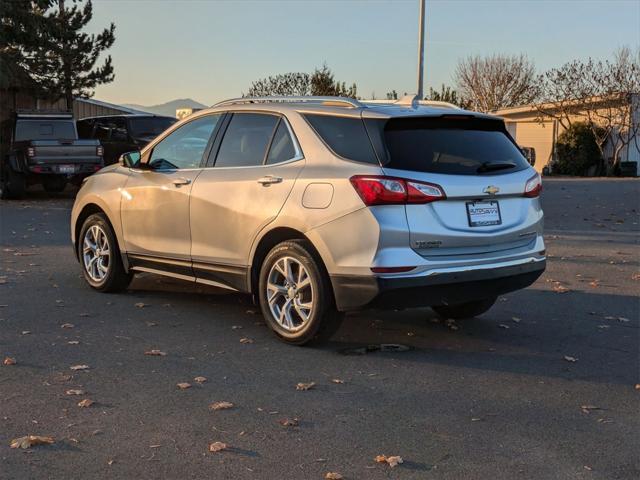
(560, 289)
(200, 380)
(333, 476)
(79, 367)
(246, 340)
(515, 319)
(337, 380)
(392, 461)
(9, 361)
(305, 386)
(30, 441)
(502, 325)
(221, 405)
(217, 446)
(140, 305)
(85, 403)
(589, 408)
(289, 422)
(622, 319)
(451, 323)
(67, 325)
(156, 353)
(184, 385)
(637, 386)
(570, 359)
(236, 327)
(75, 391)
(26, 332)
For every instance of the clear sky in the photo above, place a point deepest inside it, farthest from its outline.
(212, 50)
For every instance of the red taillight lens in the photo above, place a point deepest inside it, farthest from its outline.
(391, 269)
(31, 152)
(533, 187)
(381, 190)
(99, 150)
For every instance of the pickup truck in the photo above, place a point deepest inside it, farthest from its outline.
(43, 148)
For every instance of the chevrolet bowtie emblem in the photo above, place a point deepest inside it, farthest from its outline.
(491, 190)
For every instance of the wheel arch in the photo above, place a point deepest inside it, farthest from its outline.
(271, 239)
(88, 210)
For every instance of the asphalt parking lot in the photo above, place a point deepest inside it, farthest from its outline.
(543, 386)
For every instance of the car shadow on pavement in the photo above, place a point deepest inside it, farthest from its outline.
(528, 332)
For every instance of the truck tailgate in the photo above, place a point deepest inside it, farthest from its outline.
(65, 151)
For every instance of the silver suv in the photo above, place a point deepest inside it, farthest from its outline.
(320, 205)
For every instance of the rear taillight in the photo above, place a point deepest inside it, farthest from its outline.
(533, 187)
(381, 190)
(31, 152)
(99, 150)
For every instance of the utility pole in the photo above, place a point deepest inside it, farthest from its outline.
(420, 93)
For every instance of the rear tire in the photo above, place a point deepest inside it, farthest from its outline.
(54, 184)
(299, 306)
(465, 310)
(100, 257)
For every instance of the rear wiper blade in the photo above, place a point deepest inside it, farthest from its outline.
(492, 167)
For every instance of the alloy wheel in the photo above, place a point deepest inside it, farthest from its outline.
(290, 294)
(96, 253)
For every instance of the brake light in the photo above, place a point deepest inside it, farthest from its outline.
(391, 269)
(381, 190)
(533, 187)
(99, 150)
(31, 152)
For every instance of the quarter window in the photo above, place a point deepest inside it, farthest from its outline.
(184, 147)
(246, 140)
(346, 136)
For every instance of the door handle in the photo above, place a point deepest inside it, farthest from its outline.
(269, 179)
(177, 182)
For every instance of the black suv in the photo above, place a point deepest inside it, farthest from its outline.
(119, 134)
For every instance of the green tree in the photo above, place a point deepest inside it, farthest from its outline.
(576, 150)
(320, 82)
(23, 26)
(64, 64)
(448, 94)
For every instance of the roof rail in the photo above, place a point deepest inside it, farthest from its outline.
(333, 101)
(413, 102)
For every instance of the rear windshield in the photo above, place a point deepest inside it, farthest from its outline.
(459, 146)
(149, 126)
(45, 130)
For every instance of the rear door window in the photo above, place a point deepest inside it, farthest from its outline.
(246, 140)
(282, 148)
(345, 136)
(459, 146)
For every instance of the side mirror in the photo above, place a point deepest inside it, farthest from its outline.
(130, 159)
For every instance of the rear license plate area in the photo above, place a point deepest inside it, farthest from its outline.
(66, 169)
(483, 214)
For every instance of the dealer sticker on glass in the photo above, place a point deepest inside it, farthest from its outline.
(482, 214)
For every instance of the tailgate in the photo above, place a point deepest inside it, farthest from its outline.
(65, 151)
(483, 175)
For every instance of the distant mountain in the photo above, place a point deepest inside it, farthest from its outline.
(169, 108)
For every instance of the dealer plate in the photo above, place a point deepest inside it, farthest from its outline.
(482, 214)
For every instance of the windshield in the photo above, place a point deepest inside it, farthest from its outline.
(149, 126)
(459, 146)
(45, 130)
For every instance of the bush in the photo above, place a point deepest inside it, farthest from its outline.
(576, 151)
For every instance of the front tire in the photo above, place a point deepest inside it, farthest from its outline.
(100, 257)
(295, 294)
(465, 310)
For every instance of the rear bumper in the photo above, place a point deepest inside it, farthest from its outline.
(436, 287)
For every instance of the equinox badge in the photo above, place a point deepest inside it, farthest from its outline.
(491, 190)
